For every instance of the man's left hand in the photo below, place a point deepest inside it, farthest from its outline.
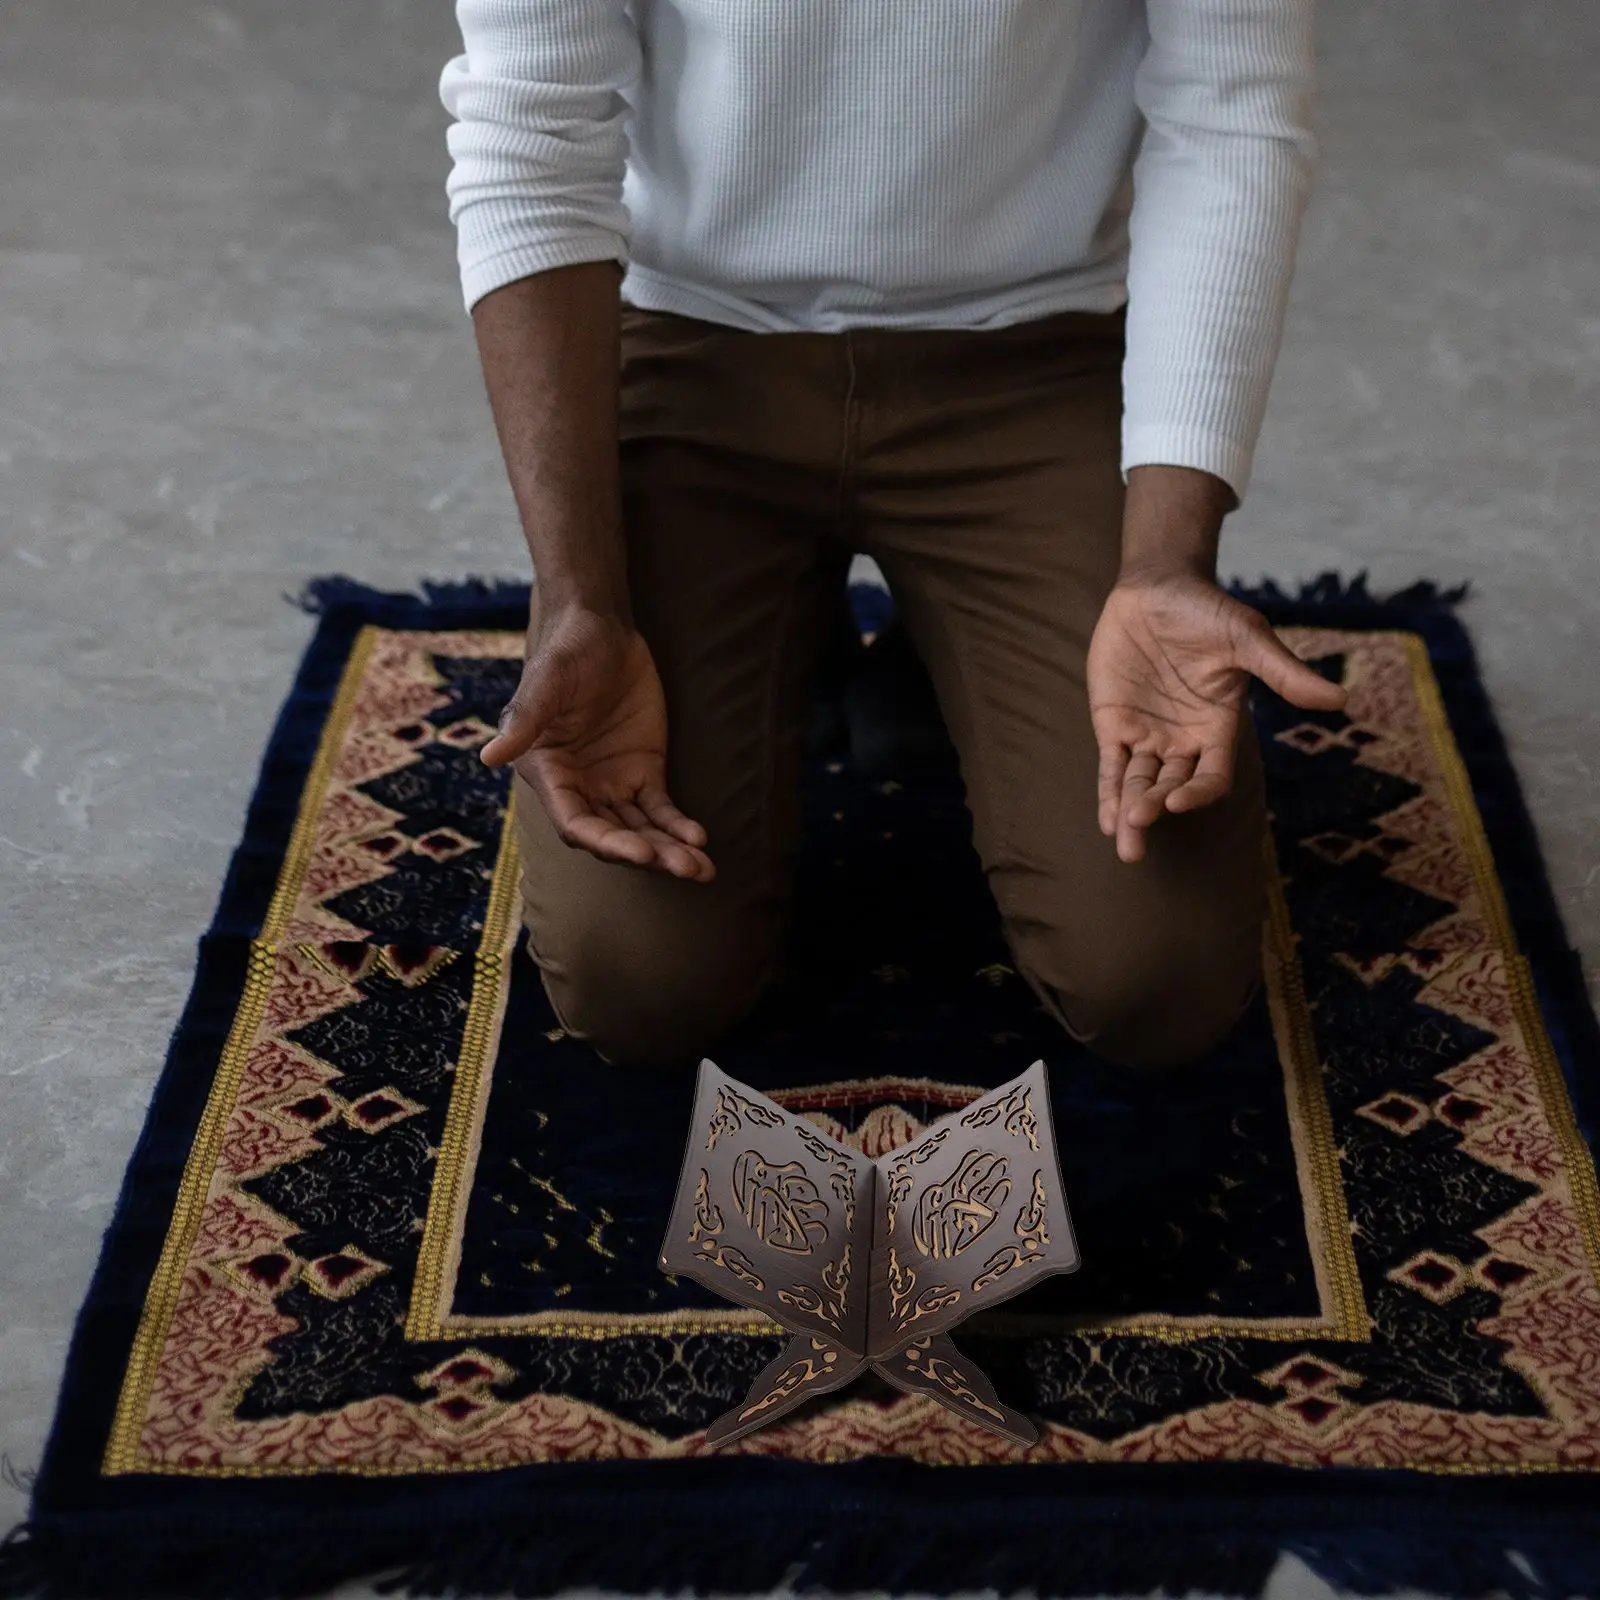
(1169, 671)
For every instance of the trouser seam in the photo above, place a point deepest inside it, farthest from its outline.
(772, 888)
(978, 773)
(844, 519)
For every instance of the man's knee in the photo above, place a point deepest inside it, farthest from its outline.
(1152, 1027)
(1165, 1003)
(647, 990)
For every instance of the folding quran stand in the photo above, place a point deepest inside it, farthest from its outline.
(870, 1263)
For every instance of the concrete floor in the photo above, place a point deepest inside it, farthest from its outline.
(234, 355)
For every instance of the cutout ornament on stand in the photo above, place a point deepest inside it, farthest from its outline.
(869, 1264)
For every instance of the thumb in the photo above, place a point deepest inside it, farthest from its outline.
(1276, 665)
(524, 718)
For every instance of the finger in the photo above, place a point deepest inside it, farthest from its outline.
(520, 724)
(610, 832)
(1147, 807)
(631, 815)
(1277, 666)
(1142, 769)
(666, 816)
(511, 742)
(1213, 778)
(674, 856)
(666, 854)
(579, 825)
(1113, 767)
(609, 842)
(1140, 773)
(1130, 841)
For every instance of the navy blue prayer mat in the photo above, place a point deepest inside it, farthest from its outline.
(380, 1295)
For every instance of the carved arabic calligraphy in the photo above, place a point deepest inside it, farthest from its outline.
(950, 1215)
(841, 1175)
(780, 1203)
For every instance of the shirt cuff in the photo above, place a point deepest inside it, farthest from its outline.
(1159, 445)
(482, 273)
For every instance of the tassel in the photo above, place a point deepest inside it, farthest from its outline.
(468, 603)
(1344, 599)
(839, 1542)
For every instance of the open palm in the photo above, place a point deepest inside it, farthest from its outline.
(587, 728)
(1169, 671)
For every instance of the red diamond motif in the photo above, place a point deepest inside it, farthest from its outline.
(1308, 1373)
(467, 734)
(1399, 1112)
(1431, 1273)
(405, 960)
(270, 1269)
(349, 957)
(343, 1273)
(1435, 1277)
(339, 1269)
(1312, 1408)
(1504, 1274)
(471, 1373)
(314, 1108)
(1462, 1111)
(443, 843)
(376, 1108)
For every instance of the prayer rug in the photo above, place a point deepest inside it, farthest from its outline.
(381, 1294)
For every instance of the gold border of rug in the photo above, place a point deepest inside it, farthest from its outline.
(155, 1321)
(1577, 1158)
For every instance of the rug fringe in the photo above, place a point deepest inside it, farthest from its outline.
(1331, 590)
(1127, 1551)
(1132, 1555)
(464, 602)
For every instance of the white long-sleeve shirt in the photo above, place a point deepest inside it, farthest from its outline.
(827, 164)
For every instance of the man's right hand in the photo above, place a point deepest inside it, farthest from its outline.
(587, 728)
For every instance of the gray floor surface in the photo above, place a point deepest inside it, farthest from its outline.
(232, 354)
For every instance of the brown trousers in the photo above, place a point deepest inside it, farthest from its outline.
(980, 469)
